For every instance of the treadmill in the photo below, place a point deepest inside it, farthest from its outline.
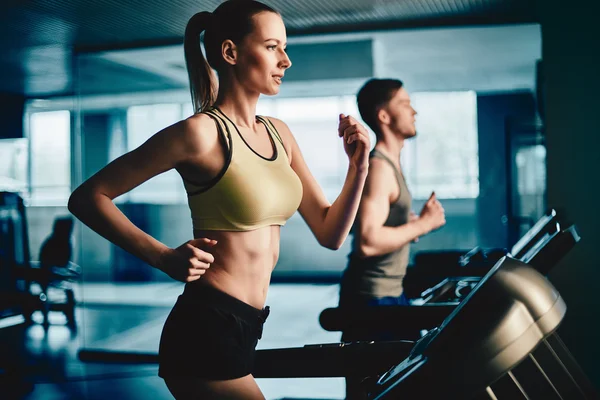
(431, 267)
(500, 342)
(409, 322)
(542, 248)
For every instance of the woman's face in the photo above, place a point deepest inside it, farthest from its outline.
(262, 59)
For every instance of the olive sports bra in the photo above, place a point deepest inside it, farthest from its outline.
(251, 191)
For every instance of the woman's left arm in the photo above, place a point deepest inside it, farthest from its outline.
(331, 223)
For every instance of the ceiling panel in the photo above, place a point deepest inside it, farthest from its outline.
(39, 37)
(96, 75)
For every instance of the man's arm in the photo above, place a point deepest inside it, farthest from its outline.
(373, 238)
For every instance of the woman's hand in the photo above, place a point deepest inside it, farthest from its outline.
(188, 262)
(356, 141)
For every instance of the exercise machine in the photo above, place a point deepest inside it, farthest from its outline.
(499, 343)
(431, 267)
(546, 247)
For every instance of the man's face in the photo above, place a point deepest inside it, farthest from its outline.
(402, 115)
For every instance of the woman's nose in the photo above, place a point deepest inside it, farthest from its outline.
(285, 61)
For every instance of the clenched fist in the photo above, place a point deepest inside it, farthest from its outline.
(433, 214)
(357, 143)
(189, 261)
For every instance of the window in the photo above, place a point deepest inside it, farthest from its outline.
(443, 157)
(314, 123)
(531, 170)
(143, 122)
(13, 165)
(50, 141)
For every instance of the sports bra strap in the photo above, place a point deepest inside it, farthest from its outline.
(221, 126)
(271, 128)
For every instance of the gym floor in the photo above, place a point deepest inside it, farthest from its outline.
(129, 317)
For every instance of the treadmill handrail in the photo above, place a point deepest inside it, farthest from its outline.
(385, 317)
(311, 361)
(546, 223)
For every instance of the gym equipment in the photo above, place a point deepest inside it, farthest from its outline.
(500, 342)
(14, 254)
(20, 277)
(431, 267)
(547, 247)
(543, 253)
(510, 351)
(311, 361)
(58, 271)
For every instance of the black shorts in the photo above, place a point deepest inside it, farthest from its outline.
(209, 334)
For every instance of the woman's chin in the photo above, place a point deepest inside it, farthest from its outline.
(271, 91)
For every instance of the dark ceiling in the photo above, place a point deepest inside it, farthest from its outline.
(39, 38)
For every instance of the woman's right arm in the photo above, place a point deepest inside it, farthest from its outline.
(92, 202)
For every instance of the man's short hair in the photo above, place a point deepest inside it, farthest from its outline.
(374, 94)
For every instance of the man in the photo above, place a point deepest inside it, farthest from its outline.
(385, 225)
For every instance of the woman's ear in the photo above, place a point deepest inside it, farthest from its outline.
(229, 52)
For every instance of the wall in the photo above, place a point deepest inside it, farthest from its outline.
(11, 115)
(492, 112)
(569, 35)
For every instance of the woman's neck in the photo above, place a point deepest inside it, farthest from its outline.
(238, 104)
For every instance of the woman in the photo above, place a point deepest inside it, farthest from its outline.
(245, 176)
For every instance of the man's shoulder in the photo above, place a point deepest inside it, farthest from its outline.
(380, 167)
(381, 175)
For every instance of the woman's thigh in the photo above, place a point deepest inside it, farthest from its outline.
(244, 388)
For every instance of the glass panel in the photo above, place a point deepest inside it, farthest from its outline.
(314, 123)
(142, 123)
(50, 137)
(14, 168)
(530, 170)
(443, 157)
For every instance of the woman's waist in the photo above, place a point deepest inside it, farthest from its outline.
(243, 275)
(206, 294)
(247, 286)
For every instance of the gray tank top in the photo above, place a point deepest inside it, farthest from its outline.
(381, 276)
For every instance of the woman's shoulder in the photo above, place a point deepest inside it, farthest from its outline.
(284, 132)
(276, 121)
(281, 127)
(198, 132)
(199, 121)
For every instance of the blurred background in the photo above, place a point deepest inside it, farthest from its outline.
(506, 95)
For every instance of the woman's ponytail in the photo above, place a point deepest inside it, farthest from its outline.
(202, 80)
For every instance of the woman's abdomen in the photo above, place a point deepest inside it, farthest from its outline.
(243, 262)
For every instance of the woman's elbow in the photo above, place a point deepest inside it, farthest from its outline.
(77, 201)
(74, 202)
